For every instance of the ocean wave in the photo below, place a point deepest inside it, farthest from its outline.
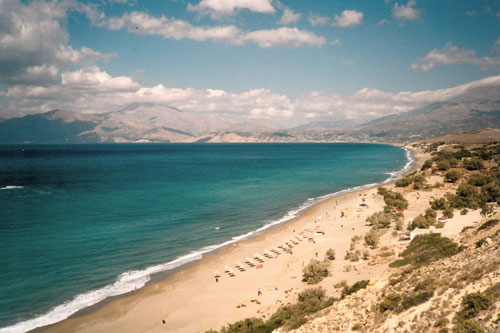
(128, 281)
(11, 187)
(393, 175)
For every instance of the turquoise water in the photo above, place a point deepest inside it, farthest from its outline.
(80, 223)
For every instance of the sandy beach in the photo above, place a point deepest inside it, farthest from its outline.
(193, 300)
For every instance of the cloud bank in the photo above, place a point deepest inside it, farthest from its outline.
(452, 55)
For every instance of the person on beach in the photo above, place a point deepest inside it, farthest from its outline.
(259, 292)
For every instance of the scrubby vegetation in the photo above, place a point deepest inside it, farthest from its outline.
(392, 199)
(315, 271)
(362, 284)
(425, 249)
(472, 305)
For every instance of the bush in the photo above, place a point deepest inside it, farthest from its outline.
(372, 238)
(380, 219)
(438, 204)
(427, 165)
(448, 212)
(472, 304)
(390, 302)
(352, 255)
(468, 326)
(425, 249)
(473, 163)
(430, 214)
(479, 180)
(248, 325)
(491, 192)
(403, 182)
(393, 199)
(443, 165)
(315, 271)
(419, 222)
(464, 211)
(452, 176)
(416, 299)
(362, 284)
(330, 254)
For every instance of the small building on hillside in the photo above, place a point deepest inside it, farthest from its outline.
(418, 232)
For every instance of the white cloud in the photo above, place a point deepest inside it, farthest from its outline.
(218, 8)
(289, 17)
(91, 90)
(291, 37)
(34, 43)
(348, 18)
(406, 12)
(382, 22)
(452, 55)
(142, 23)
(315, 20)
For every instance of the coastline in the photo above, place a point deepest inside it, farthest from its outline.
(88, 319)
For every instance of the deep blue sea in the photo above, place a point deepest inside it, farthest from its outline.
(80, 223)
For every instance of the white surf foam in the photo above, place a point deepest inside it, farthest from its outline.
(11, 187)
(128, 281)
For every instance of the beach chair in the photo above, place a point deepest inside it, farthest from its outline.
(249, 262)
(258, 257)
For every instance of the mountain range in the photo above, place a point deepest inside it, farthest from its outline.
(475, 109)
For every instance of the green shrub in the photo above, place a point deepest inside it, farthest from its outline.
(468, 326)
(416, 299)
(249, 325)
(448, 212)
(491, 192)
(352, 255)
(425, 249)
(473, 163)
(315, 271)
(427, 165)
(362, 284)
(330, 254)
(464, 211)
(443, 165)
(472, 304)
(419, 222)
(403, 182)
(427, 284)
(452, 176)
(430, 215)
(380, 219)
(372, 238)
(390, 302)
(479, 180)
(438, 204)
(393, 199)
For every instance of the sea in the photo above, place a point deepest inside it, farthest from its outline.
(82, 223)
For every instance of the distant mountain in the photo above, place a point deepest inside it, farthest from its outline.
(434, 120)
(473, 110)
(51, 127)
(135, 123)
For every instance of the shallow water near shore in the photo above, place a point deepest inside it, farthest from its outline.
(84, 222)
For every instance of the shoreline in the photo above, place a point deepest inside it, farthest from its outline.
(276, 227)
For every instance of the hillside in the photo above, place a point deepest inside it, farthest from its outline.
(442, 275)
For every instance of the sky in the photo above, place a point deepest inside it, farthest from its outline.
(268, 61)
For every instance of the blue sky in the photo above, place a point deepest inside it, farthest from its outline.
(231, 55)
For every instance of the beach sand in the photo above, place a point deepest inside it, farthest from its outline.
(191, 300)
